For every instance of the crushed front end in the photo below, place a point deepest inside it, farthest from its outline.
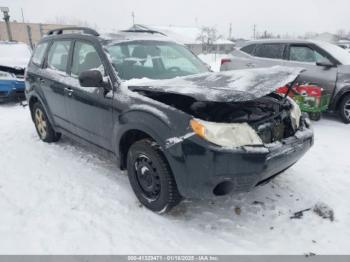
(242, 145)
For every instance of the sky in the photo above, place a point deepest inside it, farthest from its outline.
(294, 17)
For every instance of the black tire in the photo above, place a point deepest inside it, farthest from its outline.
(42, 125)
(151, 178)
(316, 116)
(344, 109)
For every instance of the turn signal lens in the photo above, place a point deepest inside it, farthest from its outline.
(198, 128)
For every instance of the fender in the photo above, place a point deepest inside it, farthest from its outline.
(159, 130)
(142, 121)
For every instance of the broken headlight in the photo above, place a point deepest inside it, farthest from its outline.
(295, 114)
(226, 135)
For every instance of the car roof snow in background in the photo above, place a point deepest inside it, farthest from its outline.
(14, 54)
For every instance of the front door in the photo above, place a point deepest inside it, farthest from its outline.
(90, 108)
(305, 56)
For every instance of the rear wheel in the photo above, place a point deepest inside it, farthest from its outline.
(43, 126)
(344, 109)
(315, 116)
(151, 178)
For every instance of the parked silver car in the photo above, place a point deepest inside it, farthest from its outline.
(326, 65)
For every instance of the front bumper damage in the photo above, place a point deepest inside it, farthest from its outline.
(204, 170)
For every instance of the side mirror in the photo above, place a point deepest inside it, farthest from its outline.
(91, 78)
(325, 63)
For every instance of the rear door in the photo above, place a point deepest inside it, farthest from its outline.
(267, 55)
(90, 108)
(255, 56)
(53, 81)
(306, 56)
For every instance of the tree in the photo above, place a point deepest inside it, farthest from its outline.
(208, 36)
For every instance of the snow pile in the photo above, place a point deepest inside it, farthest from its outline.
(228, 86)
(64, 198)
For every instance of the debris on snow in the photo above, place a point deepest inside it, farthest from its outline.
(299, 214)
(238, 211)
(324, 211)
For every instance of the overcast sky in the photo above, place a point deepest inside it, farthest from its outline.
(277, 16)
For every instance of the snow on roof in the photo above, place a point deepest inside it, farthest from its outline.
(184, 34)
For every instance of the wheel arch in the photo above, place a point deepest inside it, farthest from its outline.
(36, 99)
(339, 97)
(128, 138)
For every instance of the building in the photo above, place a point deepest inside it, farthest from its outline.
(189, 37)
(29, 33)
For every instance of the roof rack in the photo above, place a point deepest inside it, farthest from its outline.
(142, 29)
(85, 30)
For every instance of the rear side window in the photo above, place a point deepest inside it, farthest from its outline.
(39, 53)
(274, 51)
(249, 49)
(58, 55)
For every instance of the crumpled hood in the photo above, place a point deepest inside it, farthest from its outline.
(227, 86)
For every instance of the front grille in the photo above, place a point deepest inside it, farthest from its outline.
(271, 132)
(20, 76)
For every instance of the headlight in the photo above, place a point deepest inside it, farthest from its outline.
(295, 114)
(6, 76)
(226, 135)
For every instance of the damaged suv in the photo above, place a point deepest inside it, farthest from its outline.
(179, 130)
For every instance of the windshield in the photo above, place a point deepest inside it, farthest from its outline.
(14, 54)
(337, 52)
(154, 60)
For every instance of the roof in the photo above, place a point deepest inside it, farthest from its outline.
(282, 41)
(182, 35)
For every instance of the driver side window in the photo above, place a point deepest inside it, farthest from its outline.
(85, 57)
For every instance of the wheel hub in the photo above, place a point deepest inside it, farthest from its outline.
(347, 109)
(40, 123)
(147, 177)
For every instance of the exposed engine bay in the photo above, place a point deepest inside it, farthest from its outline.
(270, 116)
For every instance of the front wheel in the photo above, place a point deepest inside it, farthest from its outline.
(344, 109)
(151, 178)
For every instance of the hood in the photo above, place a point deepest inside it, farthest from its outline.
(227, 86)
(17, 63)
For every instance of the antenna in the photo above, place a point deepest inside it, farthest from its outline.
(133, 18)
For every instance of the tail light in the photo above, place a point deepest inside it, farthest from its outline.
(225, 60)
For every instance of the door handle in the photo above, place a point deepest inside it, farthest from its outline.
(250, 65)
(69, 91)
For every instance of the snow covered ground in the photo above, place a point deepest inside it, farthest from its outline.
(65, 198)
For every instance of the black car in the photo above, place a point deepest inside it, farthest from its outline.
(179, 129)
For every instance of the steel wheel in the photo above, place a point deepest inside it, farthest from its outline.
(150, 176)
(147, 177)
(41, 123)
